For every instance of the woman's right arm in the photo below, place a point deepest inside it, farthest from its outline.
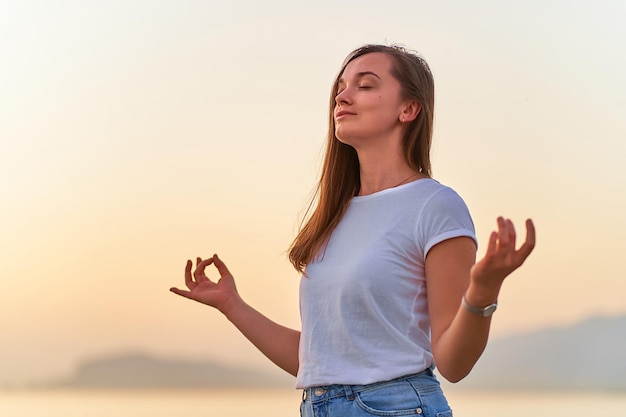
(278, 343)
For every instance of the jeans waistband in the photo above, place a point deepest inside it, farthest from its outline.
(339, 390)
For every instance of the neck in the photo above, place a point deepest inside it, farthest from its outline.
(380, 171)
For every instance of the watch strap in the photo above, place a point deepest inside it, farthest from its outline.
(481, 311)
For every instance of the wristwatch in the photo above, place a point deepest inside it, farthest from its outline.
(481, 311)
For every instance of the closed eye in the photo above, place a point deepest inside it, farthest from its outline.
(361, 87)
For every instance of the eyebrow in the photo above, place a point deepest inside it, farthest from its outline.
(360, 75)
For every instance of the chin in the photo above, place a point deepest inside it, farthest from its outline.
(350, 143)
(347, 137)
(353, 139)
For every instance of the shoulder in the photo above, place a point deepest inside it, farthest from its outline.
(436, 197)
(444, 215)
(446, 198)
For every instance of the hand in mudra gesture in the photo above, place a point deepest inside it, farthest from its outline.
(202, 289)
(502, 257)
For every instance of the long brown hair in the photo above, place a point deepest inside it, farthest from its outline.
(340, 178)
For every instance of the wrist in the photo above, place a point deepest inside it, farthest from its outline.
(231, 306)
(485, 311)
(480, 296)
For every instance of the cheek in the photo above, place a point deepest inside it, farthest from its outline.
(378, 106)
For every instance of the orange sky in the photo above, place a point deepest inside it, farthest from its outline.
(136, 136)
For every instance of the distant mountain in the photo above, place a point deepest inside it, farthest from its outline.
(588, 355)
(126, 371)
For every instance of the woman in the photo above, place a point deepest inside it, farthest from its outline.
(390, 286)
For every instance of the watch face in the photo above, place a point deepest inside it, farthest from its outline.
(488, 311)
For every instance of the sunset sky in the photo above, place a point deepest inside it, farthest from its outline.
(135, 135)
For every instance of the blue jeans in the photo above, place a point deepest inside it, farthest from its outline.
(411, 395)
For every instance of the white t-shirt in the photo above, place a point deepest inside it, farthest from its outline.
(363, 300)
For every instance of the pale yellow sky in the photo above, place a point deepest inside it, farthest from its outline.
(136, 135)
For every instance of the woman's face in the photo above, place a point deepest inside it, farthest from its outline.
(368, 102)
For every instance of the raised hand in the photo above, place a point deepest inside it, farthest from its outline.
(502, 257)
(202, 289)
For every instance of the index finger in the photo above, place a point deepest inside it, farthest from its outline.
(221, 266)
(199, 274)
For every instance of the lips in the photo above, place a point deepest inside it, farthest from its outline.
(343, 113)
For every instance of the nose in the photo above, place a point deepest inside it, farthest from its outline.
(343, 97)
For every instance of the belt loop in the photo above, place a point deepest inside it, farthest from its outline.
(349, 392)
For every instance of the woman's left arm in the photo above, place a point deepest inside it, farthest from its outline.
(459, 336)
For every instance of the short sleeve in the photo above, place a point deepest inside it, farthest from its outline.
(444, 216)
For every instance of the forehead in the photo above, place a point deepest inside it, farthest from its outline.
(376, 62)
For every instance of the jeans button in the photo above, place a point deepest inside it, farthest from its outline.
(319, 391)
(418, 411)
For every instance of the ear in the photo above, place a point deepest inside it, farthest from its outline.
(409, 111)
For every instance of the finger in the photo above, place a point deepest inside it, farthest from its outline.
(529, 244)
(492, 246)
(503, 234)
(183, 293)
(221, 266)
(199, 274)
(188, 280)
(512, 234)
